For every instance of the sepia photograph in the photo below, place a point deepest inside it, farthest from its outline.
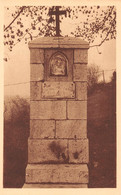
(60, 79)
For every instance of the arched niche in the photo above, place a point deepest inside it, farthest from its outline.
(58, 64)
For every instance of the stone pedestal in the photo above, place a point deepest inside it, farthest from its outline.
(58, 151)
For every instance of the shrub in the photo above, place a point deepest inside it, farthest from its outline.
(16, 110)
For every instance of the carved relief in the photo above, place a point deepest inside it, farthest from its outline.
(58, 65)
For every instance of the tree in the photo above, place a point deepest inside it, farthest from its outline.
(93, 73)
(29, 22)
(113, 78)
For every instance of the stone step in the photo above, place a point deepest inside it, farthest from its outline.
(56, 174)
(55, 186)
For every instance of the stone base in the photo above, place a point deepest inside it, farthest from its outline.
(57, 174)
(55, 186)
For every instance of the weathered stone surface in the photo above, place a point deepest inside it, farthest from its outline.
(81, 90)
(78, 151)
(47, 151)
(57, 145)
(42, 128)
(55, 185)
(37, 72)
(60, 173)
(58, 90)
(58, 42)
(79, 72)
(77, 109)
(36, 56)
(80, 56)
(71, 129)
(48, 110)
(35, 90)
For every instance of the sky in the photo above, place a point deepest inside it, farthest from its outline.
(17, 68)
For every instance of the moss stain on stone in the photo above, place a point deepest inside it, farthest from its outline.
(57, 150)
(76, 154)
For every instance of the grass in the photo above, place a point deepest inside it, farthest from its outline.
(102, 143)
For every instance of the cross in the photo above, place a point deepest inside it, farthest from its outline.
(57, 12)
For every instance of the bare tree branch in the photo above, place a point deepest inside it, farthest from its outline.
(98, 45)
(97, 24)
(22, 8)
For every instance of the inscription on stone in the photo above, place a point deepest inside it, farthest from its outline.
(58, 90)
(58, 65)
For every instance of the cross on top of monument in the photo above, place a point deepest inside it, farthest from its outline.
(57, 12)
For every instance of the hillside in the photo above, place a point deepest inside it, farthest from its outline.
(102, 137)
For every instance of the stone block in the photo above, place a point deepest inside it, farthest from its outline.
(58, 90)
(42, 128)
(60, 173)
(71, 129)
(48, 110)
(80, 56)
(47, 151)
(58, 42)
(79, 72)
(35, 90)
(81, 90)
(77, 109)
(30, 185)
(78, 151)
(36, 56)
(37, 72)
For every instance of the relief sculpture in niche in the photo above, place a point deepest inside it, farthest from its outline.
(58, 65)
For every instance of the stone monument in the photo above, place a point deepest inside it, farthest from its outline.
(58, 151)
